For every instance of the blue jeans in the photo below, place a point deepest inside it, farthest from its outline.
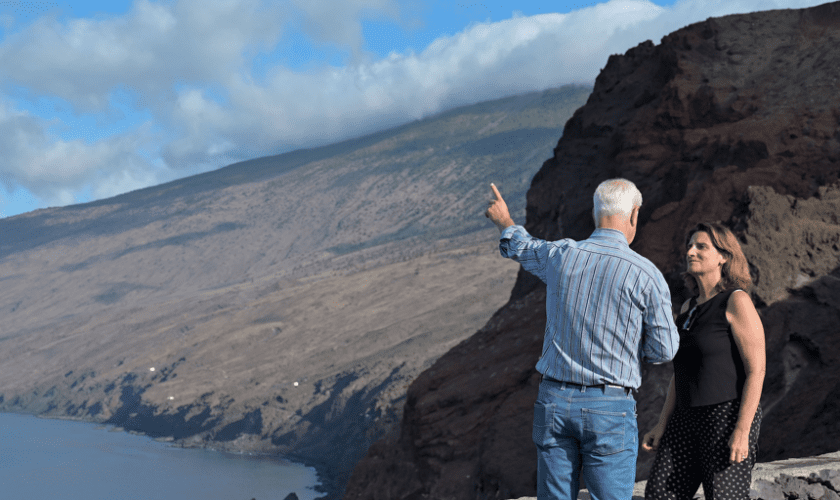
(589, 431)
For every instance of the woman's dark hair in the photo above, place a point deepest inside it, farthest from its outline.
(735, 273)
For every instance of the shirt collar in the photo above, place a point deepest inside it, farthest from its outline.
(613, 235)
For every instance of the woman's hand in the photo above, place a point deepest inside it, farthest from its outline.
(651, 440)
(739, 446)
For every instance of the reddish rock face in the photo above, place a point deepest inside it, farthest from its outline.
(717, 107)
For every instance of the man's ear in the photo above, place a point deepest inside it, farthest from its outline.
(634, 216)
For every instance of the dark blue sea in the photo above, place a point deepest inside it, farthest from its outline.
(43, 459)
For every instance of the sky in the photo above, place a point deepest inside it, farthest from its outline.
(102, 97)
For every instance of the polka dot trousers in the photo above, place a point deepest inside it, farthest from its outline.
(695, 450)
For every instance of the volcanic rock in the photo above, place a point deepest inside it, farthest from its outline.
(734, 119)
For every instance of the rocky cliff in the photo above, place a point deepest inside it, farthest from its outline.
(735, 119)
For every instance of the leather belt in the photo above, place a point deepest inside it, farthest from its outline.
(627, 390)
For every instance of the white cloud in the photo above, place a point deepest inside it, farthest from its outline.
(177, 56)
(298, 109)
(149, 49)
(340, 22)
(56, 171)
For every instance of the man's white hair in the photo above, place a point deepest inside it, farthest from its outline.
(614, 197)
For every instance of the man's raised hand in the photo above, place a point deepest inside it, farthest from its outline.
(498, 210)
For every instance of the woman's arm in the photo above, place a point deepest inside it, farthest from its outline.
(749, 337)
(650, 442)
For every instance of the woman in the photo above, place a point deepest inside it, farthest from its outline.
(708, 429)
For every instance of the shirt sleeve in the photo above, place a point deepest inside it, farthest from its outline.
(532, 253)
(660, 340)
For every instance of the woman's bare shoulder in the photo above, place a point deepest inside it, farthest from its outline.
(739, 301)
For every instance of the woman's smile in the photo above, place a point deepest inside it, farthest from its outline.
(701, 255)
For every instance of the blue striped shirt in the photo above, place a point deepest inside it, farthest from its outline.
(607, 307)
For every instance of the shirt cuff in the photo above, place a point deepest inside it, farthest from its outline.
(508, 232)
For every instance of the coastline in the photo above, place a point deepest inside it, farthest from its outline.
(322, 487)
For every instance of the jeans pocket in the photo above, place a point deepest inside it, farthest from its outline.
(543, 418)
(605, 431)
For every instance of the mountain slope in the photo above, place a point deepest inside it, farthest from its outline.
(284, 303)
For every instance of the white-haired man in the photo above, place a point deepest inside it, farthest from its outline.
(608, 309)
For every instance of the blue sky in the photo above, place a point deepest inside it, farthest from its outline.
(98, 98)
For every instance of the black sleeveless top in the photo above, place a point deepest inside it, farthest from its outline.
(708, 368)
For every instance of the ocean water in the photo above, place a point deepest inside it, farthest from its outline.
(68, 460)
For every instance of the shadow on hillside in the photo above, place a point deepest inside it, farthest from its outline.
(501, 143)
(178, 240)
(117, 291)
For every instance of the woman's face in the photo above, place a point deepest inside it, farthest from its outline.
(702, 257)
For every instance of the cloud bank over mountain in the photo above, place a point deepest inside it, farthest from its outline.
(172, 89)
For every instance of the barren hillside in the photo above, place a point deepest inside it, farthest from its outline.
(281, 304)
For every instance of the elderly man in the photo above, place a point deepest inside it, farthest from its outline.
(608, 309)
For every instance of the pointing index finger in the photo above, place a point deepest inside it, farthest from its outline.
(496, 191)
